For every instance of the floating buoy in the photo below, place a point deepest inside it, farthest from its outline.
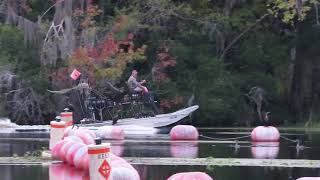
(55, 151)
(265, 134)
(90, 132)
(69, 131)
(117, 149)
(190, 175)
(84, 163)
(64, 149)
(122, 170)
(265, 150)
(56, 132)
(184, 150)
(122, 173)
(78, 159)
(72, 152)
(184, 132)
(99, 161)
(86, 137)
(74, 138)
(110, 132)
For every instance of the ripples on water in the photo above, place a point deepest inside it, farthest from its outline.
(159, 145)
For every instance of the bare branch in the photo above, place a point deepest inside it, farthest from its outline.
(235, 40)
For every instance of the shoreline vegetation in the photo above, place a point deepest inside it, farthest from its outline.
(235, 59)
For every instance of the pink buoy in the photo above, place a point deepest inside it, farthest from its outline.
(69, 131)
(117, 149)
(74, 138)
(184, 132)
(90, 132)
(265, 150)
(79, 156)
(265, 134)
(64, 149)
(72, 151)
(117, 133)
(121, 169)
(190, 175)
(84, 164)
(124, 173)
(184, 150)
(309, 178)
(110, 132)
(55, 151)
(85, 136)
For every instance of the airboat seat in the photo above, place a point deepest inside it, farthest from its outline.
(133, 94)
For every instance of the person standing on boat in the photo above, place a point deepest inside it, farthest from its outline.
(137, 87)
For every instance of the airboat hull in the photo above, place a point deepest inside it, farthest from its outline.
(160, 120)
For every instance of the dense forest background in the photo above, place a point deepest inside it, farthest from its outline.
(236, 59)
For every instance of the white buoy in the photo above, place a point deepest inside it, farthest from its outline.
(99, 160)
(67, 117)
(56, 132)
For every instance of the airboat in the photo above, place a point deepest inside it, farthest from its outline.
(156, 121)
(125, 109)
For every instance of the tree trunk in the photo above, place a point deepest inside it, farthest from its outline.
(306, 73)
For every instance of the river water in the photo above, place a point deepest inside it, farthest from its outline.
(159, 145)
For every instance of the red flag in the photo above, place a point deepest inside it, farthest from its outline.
(75, 74)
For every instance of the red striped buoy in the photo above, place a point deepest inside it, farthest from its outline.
(99, 160)
(56, 132)
(67, 117)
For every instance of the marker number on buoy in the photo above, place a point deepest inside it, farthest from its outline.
(102, 156)
(105, 169)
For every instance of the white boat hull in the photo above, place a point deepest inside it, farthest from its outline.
(160, 120)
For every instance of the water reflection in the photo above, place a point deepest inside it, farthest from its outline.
(159, 145)
(265, 150)
(20, 148)
(184, 149)
(66, 172)
(146, 150)
(148, 172)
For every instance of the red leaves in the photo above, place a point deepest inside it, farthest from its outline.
(165, 61)
(107, 48)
